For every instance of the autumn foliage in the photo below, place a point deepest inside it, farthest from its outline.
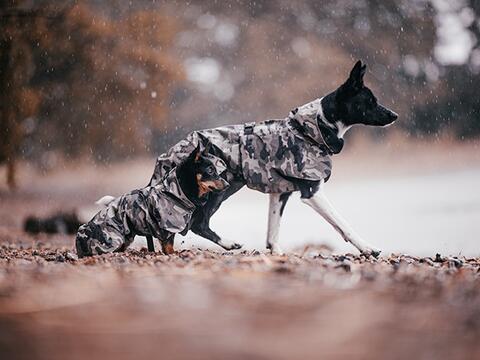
(76, 80)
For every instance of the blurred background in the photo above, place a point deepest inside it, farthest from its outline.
(92, 91)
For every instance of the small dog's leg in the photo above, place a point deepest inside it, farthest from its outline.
(167, 245)
(201, 218)
(150, 244)
(276, 206)
(202, 228)
(224, 243)
(322, 205)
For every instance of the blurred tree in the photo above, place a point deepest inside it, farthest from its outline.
(17, 99)
(94, 84)
(453, 105)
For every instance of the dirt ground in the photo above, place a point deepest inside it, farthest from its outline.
(202, 304)
(209, 305)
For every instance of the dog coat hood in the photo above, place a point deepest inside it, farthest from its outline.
(311, 121)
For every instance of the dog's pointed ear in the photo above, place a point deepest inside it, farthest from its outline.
(196, 153)
(354, 82)
(358, 70)
(207, 147)
(357, 74)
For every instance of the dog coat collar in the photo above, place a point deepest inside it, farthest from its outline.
(311, 121)
(172, 187)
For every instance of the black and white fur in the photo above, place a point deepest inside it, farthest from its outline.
(352, 103)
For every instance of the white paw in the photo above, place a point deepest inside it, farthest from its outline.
(370, 251)
(276, 250)
(364, 248)
(229, 245)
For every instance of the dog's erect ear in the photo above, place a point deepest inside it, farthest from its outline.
(358, 71)
(354, 82)
(196, 153)
(207, 147)
(356, 75)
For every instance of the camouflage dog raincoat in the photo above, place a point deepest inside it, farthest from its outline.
(154, 210)
(266, 155)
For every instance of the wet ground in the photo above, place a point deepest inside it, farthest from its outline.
(205, 304)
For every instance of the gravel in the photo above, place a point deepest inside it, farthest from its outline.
(207, 304)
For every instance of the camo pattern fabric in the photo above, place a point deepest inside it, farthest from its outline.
(306, 116)
(154, 210)
(275, 152)
(226, 150)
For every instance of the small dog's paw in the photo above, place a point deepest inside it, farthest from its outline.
(168, 249)
(228, 245)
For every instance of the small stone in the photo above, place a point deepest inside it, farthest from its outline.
(453, 262)
(428, 261)
(70, 256)
(345, 266)
(282, 269)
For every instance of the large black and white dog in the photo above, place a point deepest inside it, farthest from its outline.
(283, 156)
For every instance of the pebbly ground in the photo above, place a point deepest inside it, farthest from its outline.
(204, 304)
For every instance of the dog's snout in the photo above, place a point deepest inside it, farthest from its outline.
(393, 115)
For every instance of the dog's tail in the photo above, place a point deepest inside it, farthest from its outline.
(104, 201)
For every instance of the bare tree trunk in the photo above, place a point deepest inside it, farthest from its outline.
(8, 131)
(11, 179)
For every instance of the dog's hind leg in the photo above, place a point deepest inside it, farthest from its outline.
(275, 211)
(319, 202)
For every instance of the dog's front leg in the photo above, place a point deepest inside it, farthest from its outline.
(201, 217)
(201, 227)
(322, 205)
(275, 210)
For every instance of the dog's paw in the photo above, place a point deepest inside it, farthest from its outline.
(229, 245)
(276, 250)
(370, 251)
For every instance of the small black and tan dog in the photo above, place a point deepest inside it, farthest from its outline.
(158, 211)
(197, 179)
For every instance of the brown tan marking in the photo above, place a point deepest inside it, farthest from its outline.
(167, 246)
(205, 187)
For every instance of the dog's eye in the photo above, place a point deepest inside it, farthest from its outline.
(210, 170)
